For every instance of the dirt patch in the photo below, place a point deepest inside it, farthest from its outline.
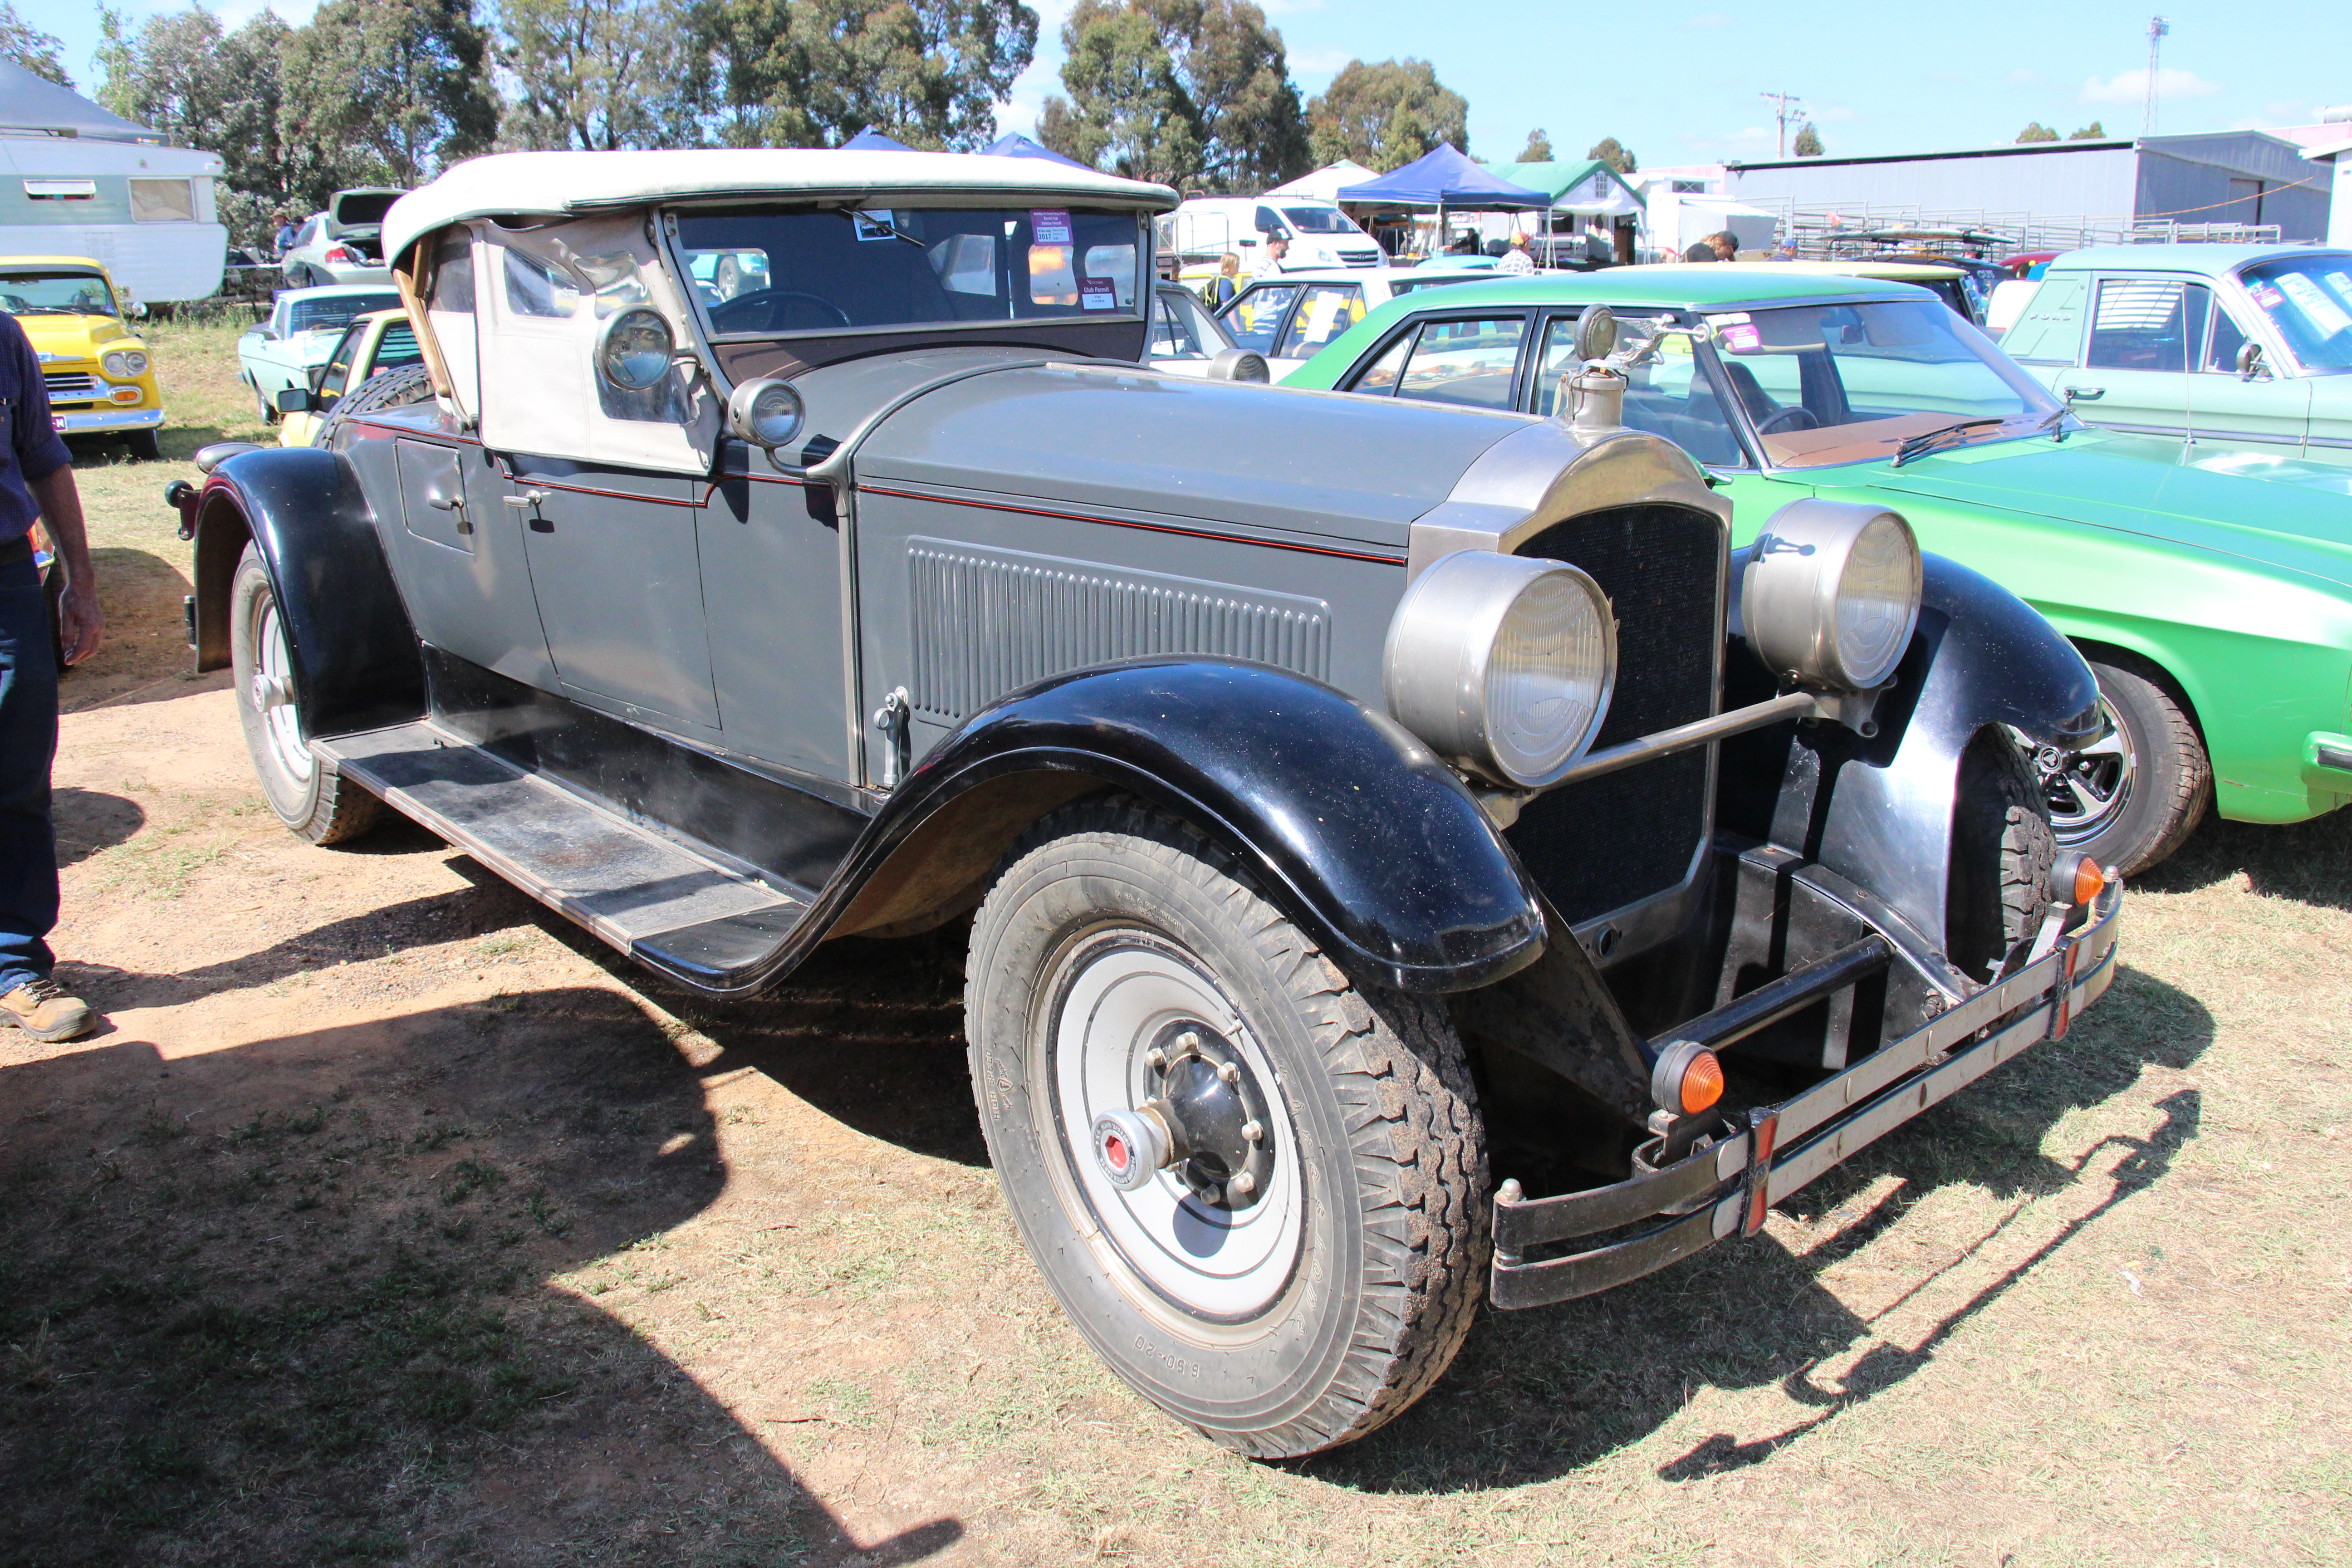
(393, 1221)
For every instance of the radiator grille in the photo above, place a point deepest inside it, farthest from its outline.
(1609, 841)
(986, 622)
(71, 386)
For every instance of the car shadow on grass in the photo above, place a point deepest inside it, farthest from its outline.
(289, 1303)
(1539, 1393)
(2310, 862)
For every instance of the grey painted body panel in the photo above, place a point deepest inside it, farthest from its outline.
(1313, 467)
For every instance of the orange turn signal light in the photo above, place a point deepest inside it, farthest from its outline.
(2090, 881)
(1702, 1083)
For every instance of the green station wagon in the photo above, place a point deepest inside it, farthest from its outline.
(2214, 604)
(2246, 345)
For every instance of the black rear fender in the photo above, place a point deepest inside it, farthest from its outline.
(356, 665)
(1360, 834)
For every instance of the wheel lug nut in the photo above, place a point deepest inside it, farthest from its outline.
(1157, 1059)
(1187, 1041)
(1228, 1072)
(1243, 1184)
(1253, 1131)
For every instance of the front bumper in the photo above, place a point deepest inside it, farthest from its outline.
(92, 420)
(1726, 1187)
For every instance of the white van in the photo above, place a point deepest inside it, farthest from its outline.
(1320, 234)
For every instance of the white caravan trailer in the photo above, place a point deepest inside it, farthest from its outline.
(75, 180)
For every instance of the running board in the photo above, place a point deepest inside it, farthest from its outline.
(650, 897)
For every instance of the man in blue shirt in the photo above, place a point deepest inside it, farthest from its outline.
(36, 482)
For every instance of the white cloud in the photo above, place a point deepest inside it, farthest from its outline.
(2024, 76)
(1289, 7)
(2131, 86)
(1320, 62)
(1708, 19)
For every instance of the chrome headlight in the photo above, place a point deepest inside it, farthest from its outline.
(765, 412)
(1830, 593)
(125, 363)
(1503, 664)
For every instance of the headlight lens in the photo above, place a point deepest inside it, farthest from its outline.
(1830, 593)
(125, 363)
(765, 412)
(1503, 665)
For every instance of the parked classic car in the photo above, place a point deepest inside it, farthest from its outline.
(1288, 317)
(342, 245)
(1955, 286)
(303, 327)
(1328, 789)
(2239, 344)
(100, 377)
(374, 343)
(2212, 594)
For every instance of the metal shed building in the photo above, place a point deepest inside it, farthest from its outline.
(2225, 176)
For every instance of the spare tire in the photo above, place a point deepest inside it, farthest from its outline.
(394, 388)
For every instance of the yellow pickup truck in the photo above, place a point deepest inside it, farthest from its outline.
(100, 377)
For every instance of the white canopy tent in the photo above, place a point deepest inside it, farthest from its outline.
(1324, 184)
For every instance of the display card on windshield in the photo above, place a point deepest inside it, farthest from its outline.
(1050, 226)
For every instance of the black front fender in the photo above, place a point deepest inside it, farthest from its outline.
(356, 664)
(1350, 825)
(1981, 656)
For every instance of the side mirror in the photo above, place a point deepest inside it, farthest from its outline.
(1240, 364)
(635, 350)
(2249, 361)
(295, 400)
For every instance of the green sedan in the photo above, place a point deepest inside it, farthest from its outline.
(2210, 592)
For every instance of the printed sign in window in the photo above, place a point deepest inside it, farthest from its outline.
(1050, 226)
(1098, 294)
(876, 226)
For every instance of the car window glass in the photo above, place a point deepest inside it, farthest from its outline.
(396, 347)
(1320, 220)
(1469, 362)
(1326, 310)
(1840, 384)
(336, 310)
(1382, 375)
(535, 288)
(339, 363)
(831, 270)
(1268, 222)
(453, 276)
(2308, 299)
(1670, 393)
(2228, 338)
(1173, 335)
(1253, 318)
(2146, 324)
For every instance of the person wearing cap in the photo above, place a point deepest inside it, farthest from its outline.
(37, 483)
(1515, 260)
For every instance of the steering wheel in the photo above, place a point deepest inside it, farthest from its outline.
(761, 312)
(1787, 419)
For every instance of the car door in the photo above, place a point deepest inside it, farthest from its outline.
(1258, 313)
(2265, 409)
(1472, 359)
(2145, 333)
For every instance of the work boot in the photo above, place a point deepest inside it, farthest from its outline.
(43, 1010)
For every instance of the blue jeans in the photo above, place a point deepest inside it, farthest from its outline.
(29, 744)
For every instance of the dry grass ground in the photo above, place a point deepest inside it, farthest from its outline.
(391, 1221)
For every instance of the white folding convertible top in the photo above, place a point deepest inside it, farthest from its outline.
(553, 184)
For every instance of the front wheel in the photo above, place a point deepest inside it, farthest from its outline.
(145, 446)
(307, 795)
(1257, 1189)
(2131, 799)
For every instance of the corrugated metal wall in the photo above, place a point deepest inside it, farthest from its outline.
(2095, 178)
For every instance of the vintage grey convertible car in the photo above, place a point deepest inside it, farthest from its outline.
(1345, 799)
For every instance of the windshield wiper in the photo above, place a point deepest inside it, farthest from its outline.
(1926, 441)
(895, 232)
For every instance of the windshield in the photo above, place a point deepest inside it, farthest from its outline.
(55, 294)
(1320, 220)
(336, 311)
(820, 269)
(2308, 299)
(1844, 383)
(365, 211)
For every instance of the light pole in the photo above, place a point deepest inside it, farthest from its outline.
(1782, 102)
(2156, 28)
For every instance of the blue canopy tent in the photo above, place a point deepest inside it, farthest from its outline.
(1015, 145)
(1442, 178)
(872, 141)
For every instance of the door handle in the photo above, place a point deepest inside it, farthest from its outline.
(2086, 393)
(441, 497)
(527, 499)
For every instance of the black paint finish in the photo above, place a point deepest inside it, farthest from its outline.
(354, 652)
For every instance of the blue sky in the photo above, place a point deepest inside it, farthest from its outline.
(1679, 83)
